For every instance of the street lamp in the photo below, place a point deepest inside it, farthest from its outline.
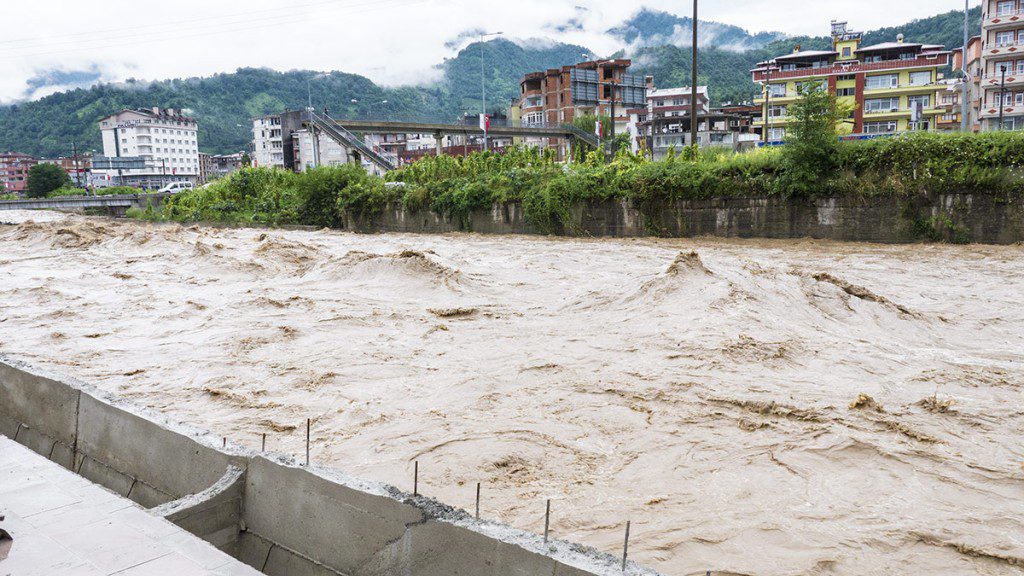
(309, 90)
(1002, 93)
(693, 88)
(483, 86)
(965, 106)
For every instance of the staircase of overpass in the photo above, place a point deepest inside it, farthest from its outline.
(348, 133)
(350, 141)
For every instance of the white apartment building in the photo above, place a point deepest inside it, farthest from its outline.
(164, 139)
(327, 152)
(1002, 64)
(667, 124)
(268, 147)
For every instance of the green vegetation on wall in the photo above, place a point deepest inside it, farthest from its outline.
(904, 167)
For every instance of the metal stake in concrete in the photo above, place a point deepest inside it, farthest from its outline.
(224, 443)
(416, 478)
(547, 520)
(625, 547)
(477, 500)
(263, 444)
(307, 442)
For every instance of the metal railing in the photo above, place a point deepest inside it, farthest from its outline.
(337, 132)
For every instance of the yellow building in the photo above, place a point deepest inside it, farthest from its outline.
(892, 87)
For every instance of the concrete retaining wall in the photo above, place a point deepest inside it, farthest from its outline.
(982, 218)
(269, 512)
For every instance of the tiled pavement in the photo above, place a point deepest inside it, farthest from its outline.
(64, 525)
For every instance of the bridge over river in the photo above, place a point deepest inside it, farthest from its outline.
(116, 203)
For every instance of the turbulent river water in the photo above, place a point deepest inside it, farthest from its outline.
(752, 406)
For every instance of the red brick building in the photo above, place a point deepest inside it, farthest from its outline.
(558, 95)
(14, 169)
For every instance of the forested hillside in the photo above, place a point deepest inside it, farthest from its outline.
(224, 103)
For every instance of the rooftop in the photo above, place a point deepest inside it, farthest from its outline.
(681, 91)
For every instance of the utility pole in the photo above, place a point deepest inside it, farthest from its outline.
(117, 154)
(693, 81)
(766, 128)
(612, 127)
(74, 162)
(483, 85)
(965, 121)
(1002, 93)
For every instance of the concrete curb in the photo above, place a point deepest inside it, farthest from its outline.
(265, 509)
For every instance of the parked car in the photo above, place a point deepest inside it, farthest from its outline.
(175, 187)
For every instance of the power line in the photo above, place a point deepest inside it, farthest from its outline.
(368, 6)
(173, 23)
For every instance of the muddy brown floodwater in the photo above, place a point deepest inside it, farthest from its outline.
(753, 406)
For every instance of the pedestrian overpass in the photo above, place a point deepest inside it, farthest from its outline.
(347, 133)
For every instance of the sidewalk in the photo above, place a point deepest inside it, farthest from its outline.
(64, 525)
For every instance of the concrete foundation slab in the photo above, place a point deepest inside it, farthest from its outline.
(63, 524)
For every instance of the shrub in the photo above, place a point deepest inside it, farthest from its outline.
(43, 179)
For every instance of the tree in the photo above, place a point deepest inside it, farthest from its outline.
(811, 154)
(44, 179)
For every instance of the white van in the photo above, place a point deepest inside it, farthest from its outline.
(174, 187)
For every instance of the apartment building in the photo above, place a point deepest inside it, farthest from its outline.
(665, 123)
(14, 168)
(893, 86)
(309, 152)
(165, 141)
(973, 72)
(1002, 65)
(558, 95)
(268, 145)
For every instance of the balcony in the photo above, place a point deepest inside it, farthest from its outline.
(1006, 20)
(991, 110)
(993, 80)
(994, 51)
(928, 88)
(903, 113)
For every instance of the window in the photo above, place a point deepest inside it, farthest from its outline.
(777, 134)
(777, 90)
(1020, 66)
(920, 78)
(883, 81)
(776, 111)
(846, 52)
(924, 100)
(1005, 38)
(846, 77)
(803, 87)
(1018, 98)
(881, 105)
(880, 127)
(1005, 8)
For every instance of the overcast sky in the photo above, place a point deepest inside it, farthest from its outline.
(390, 41)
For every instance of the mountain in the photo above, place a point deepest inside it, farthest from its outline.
(224, 103)
(656, 28)
(506, 62)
